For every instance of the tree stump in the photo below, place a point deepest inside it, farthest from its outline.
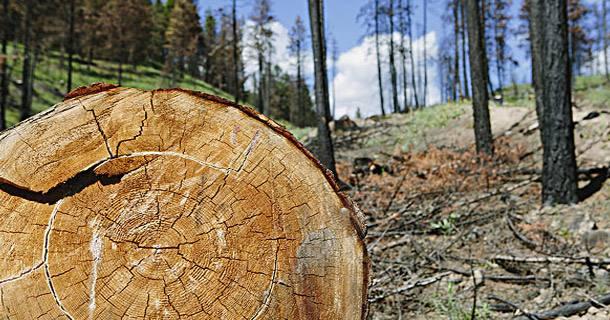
(171, 204)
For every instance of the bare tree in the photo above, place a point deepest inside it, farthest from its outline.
(456, 40)
(605, 36)
(425, 30)
(409, 9)
(325, 148)
(551, 60)
(262, 45)
(378, 53)
(333, 72)
(464, 55)
(298, 38)
(479, 78)
(236, 59)
(402, 28)
(393, 76)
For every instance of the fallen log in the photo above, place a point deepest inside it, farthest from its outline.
(171, 204)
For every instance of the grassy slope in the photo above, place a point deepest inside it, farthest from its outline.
(49, 86)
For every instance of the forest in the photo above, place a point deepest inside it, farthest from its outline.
(370, 159)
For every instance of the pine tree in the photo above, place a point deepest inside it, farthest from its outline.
(127, 23)
(298, 41)
(263, 46)
(501, 18)
(181, 37)
(579, 40)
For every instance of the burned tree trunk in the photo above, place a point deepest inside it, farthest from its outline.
(166, 204)
(553, 85)
(479, 78)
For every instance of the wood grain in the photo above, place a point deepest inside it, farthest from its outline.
(168, 204)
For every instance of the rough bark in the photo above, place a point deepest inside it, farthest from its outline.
(326, 152)
(479, 77)
(171, 204)
(553, 86)
(378, 53)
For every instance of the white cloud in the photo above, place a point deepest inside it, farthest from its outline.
(280, 55)
(356, 80)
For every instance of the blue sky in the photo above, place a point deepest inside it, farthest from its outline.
(340, 15)
(356, 65)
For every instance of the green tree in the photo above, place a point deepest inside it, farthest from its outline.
(181, 37)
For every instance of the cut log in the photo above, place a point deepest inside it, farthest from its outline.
(171, 204)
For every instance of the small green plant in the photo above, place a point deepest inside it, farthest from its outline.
(447, 225)
(451, 308)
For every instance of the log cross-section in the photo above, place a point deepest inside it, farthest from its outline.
(169, 204)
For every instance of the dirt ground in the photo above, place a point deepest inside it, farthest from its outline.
(446, 231)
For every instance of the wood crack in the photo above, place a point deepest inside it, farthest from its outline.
(267, 299)
(45, 260)
(70, 187)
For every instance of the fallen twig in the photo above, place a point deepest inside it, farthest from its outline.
(410, 285)
(571, 309)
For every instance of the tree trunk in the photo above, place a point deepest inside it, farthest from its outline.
(70, 45)
(300, 107)
(326, 152)
(553, 90)
(261, 81)
(25, 78)
(4, 81)
(464, 55)
(377, 45)
(394, 80)
(334, 75)
(605, 36)
(479, 77)
(236, 59)
(403, 57)
(268, 85)
(456, 58)
(151, 223)
(425, 22)
(410, 26)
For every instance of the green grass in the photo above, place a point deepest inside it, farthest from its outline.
(50, 80)
(430, 117)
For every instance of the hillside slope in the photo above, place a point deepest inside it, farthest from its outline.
(440, 221)
(50, 77)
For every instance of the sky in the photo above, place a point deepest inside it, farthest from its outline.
(356, 77)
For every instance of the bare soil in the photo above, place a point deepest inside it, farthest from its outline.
(447, 231)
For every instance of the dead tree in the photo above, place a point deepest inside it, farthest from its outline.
(326, 152)
(552, 82)
(479, 77)
(378, 53)
(168, 203)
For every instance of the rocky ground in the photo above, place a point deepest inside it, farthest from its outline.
(449, 235)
